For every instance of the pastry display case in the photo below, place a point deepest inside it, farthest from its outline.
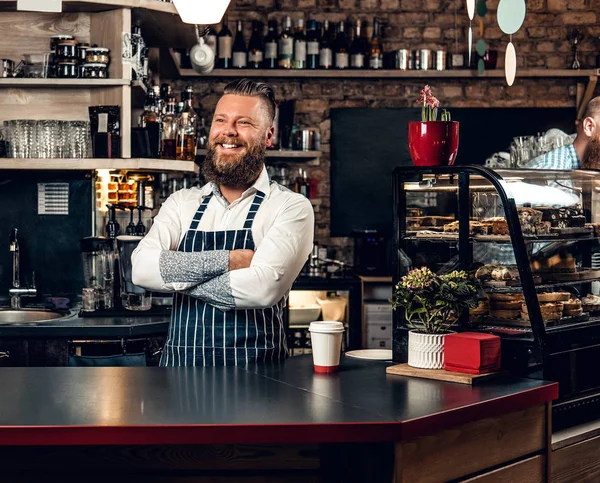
(531, 237)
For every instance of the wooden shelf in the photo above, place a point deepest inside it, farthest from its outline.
(85, 164)
(101, 5)
(26, 82)
(280, 154)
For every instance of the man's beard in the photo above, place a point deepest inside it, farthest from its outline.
(234, 170)
(591, 155)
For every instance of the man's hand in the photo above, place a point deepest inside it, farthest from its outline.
(240, 259)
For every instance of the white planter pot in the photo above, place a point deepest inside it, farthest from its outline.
(426, 351)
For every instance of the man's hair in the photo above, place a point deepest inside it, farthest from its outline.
(250, 88)
(593, 109)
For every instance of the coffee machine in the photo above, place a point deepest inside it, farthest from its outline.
(371, 253)
(98, 259)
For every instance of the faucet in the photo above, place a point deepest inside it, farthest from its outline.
(16, 292)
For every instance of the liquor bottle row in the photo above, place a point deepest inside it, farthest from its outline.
(174, 128)
(315, 45)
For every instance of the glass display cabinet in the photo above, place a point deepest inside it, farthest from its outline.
(531, 238)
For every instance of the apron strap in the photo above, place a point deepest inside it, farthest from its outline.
(258, 199)
(200, 212)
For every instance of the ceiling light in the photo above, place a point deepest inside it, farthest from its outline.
(201, 12)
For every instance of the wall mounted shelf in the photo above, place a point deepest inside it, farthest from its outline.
(88, 164)
(30, 82)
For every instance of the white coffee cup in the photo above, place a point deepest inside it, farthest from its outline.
(202, 57)
(326, 341)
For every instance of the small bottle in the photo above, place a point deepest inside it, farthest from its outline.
(312, 45)
(240, 51)
(342, 58)
(376, 49)
(224, 45)
(286, 45)
(149, 114)
(169, 132)
(326, 48)
(187, 127)
(255, 46)
(202, 140)
(211, 39)
(299, 46)
(270, 61)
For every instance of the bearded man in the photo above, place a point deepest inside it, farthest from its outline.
(584, 153)
(230, 250)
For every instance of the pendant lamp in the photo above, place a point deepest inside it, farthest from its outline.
(201, 12)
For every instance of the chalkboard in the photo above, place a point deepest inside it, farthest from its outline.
(367, 144)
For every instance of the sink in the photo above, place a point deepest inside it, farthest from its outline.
(9, 316)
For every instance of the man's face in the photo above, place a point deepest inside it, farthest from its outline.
(591, 155)
(239, 135)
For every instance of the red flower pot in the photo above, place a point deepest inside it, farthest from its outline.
(433, 143)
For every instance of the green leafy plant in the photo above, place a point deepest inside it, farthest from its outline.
(430, 106)
(433, 303)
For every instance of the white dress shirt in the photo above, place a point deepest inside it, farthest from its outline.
(283, 231)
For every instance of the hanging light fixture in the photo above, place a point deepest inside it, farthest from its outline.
(201, 12)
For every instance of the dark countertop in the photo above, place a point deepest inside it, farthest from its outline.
(77, 327)
(283, 403)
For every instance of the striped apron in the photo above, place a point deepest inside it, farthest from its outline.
(202, 335)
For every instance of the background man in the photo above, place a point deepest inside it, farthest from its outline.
(231, 249)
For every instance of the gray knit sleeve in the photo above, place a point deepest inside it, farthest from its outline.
(193, 267)
(216, 292)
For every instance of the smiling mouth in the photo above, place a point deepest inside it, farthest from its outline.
(229, 146)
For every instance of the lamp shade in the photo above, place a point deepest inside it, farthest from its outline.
(201, 12)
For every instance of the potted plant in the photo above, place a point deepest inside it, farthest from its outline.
(432, 142)
(432, 305)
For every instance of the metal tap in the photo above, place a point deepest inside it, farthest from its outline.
(16, 292)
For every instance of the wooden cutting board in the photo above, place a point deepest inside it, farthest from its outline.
(440, 374)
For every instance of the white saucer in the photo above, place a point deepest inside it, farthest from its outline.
(372, 354)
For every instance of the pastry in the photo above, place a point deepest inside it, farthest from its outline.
(413, 223)
(451, 227)
(499, 225)
(572, 304)
(505, 297)
(562, 264)
(550, 311)
(577, 221)
(591, 303)
(553, 297)
(543, 228)
(505, 314)
(436, 220)
(504, 305)
(414, 212)
(485, 272)
(573, 312)
(475, 228)
(505, 273)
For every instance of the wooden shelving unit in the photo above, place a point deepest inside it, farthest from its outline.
(101, 5)
(89, 164)
(26, 82)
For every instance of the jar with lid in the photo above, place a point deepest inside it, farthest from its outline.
(55, 39)
(95, 71)
(67, 69)
(81, 51)
(97, 55)
(66, 50)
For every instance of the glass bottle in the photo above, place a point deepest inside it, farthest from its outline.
(224, 45)
(211, 39)
(286, 45)
(271, 46)
(312, 45)
(358, 49)
(149, 113)
(325, 47)
(187, 127)
(255, 46)
(299, 46)
(376, 48)
(342, 59)
(169, 132)
(240, 51)
(202, 140)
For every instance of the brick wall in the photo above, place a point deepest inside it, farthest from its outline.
(540, 43)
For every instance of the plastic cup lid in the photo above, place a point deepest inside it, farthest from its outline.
(326, 326)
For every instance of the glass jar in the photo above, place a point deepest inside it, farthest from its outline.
(97, 55)
(81, 51)
(67, 69)
(55, 39)
(95, 71)
(66, 50)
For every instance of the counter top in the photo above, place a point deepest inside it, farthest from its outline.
(75, 326)
(269, 403)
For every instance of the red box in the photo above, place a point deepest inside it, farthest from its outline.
(472, 353)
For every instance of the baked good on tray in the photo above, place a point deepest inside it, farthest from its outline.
(572, 308)
(505, 305)
(505, 314)
(504, 297)
(505, 273)
(550, 311)
(553, 297)
(475, 228)
(591, 303)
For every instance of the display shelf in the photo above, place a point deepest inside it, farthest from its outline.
(101, 5)
(541, 286)
(84, 164)
(452, 237)
(27, 82)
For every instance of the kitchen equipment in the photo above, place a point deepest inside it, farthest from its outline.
(98, 261)
(132, 296)
(7, 68)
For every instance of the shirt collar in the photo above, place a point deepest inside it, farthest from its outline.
(577, 161)
(261, 184)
